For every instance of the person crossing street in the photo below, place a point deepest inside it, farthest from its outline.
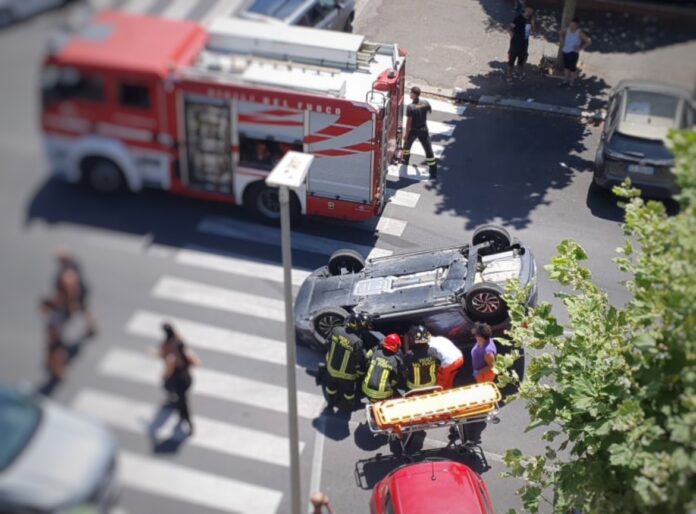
(71, 285)
(422, 362)
(345, 363)
(417, 128)
(385, 370)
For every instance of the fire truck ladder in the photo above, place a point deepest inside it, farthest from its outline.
(366, 54)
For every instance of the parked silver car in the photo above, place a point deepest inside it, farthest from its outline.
(52, 460)
(322, 14)
(639, 117)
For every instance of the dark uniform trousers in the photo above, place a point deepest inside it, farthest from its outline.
(423, 136)
(337, 388)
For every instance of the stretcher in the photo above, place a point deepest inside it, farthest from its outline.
(434, 408)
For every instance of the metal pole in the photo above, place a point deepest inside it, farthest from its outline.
(295, 499)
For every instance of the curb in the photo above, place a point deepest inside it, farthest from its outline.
(459, 96)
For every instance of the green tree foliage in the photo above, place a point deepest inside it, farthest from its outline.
(617, 397)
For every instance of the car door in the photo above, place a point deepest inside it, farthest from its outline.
(322, 14)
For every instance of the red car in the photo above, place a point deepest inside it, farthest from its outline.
(431, 487)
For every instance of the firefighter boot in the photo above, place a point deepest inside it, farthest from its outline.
(405, 157)
(432, 168)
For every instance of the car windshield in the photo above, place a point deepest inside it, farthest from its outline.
(277, 8)
(18, 421)
(650, 108)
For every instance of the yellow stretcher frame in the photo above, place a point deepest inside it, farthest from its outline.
(434, 408)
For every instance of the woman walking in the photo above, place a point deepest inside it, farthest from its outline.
(178, 361)
(483, 353)
(573, 41)
(56, 314)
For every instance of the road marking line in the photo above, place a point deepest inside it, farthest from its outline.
(223, 8)
(235, 229)
(397, 171)
(237, 266)
(138, 6)
(177, 9)
(208, 337)
(135, 416)
(391, 226)
(379, 252)
(417, 149)
(449, 108)
(213, 297)
(438, 128)
(140, 368)
(402, 198)
(164, 478)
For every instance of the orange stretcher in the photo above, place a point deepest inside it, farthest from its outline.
(434, 408)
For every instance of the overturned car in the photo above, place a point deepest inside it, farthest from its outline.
(446, 290)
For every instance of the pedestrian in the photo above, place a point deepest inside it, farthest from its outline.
(319, 500)
(451, 359)
(345, 364)
(421, 362)
(483, 353)
(70, 284)
(417, 128)
(521, 28)
(55, 315)
(168, 347)
(573, 41)
(178, 361)
(385, 370)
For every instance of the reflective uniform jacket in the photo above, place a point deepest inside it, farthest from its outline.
(384, 373)
(421, 367)
(346, 357)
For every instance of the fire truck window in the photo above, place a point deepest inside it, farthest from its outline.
(60, 84)
(263, 153)
(132, 95)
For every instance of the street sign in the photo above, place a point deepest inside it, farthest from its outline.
(291, 171)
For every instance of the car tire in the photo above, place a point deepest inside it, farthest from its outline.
(484, 302)
(348, 27)
(103, 176)
(496, 234)
(348, 260)
(262, 203)
(324, 321)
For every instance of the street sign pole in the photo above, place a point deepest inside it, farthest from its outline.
(295, 500)
(290, 173)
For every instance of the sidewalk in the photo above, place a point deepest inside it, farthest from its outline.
(460, 50)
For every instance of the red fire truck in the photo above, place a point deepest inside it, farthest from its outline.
(135, 101)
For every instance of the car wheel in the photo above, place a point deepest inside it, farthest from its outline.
(103, 176)
(263, 203)
(325, 320)
(348, 261)
(498, 236)
(348, 27)
(6, 18)
(484, 302)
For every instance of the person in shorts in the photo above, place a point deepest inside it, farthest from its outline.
(573, 41)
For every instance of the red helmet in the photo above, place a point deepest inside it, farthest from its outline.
(392, 343)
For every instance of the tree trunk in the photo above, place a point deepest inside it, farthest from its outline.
(568, 14)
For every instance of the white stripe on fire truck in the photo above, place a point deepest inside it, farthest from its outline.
(202, 336)
(139, 368)
(237, 265)
(164, 478)
(214, 297)
(236, 229)
(134, 416)
(122, 132)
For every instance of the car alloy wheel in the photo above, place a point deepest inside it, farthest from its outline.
(326, 324)
(486, 303)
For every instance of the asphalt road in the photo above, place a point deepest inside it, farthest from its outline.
(151, 256)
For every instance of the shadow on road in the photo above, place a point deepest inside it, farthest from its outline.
(611, 32)
(501, 165)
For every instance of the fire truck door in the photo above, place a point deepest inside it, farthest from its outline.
(208, 159)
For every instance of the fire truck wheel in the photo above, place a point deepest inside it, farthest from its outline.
(499, 237)
(103, 175)
(263, 203)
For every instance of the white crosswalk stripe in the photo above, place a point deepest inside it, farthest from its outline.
(140, 368)
(137, 6)
(403, 198)
(398, 171)
(214, 297)
(236, 229)
(446, 107)
(162, 477)
(136, 416)
(237, 265)
(390, 226)
(222, 8)
(417, 149)
(177, 9)
(202, 336)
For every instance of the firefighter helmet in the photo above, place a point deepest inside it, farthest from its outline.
(357, 321)
(392, 343)
(419, 334)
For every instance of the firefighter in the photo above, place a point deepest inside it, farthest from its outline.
(385, 370)
(361, 324)
(345, 363)
(417, 128)
(422, 362)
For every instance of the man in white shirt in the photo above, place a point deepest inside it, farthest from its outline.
(451, 359)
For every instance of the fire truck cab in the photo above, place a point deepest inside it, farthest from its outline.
(132, 101)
